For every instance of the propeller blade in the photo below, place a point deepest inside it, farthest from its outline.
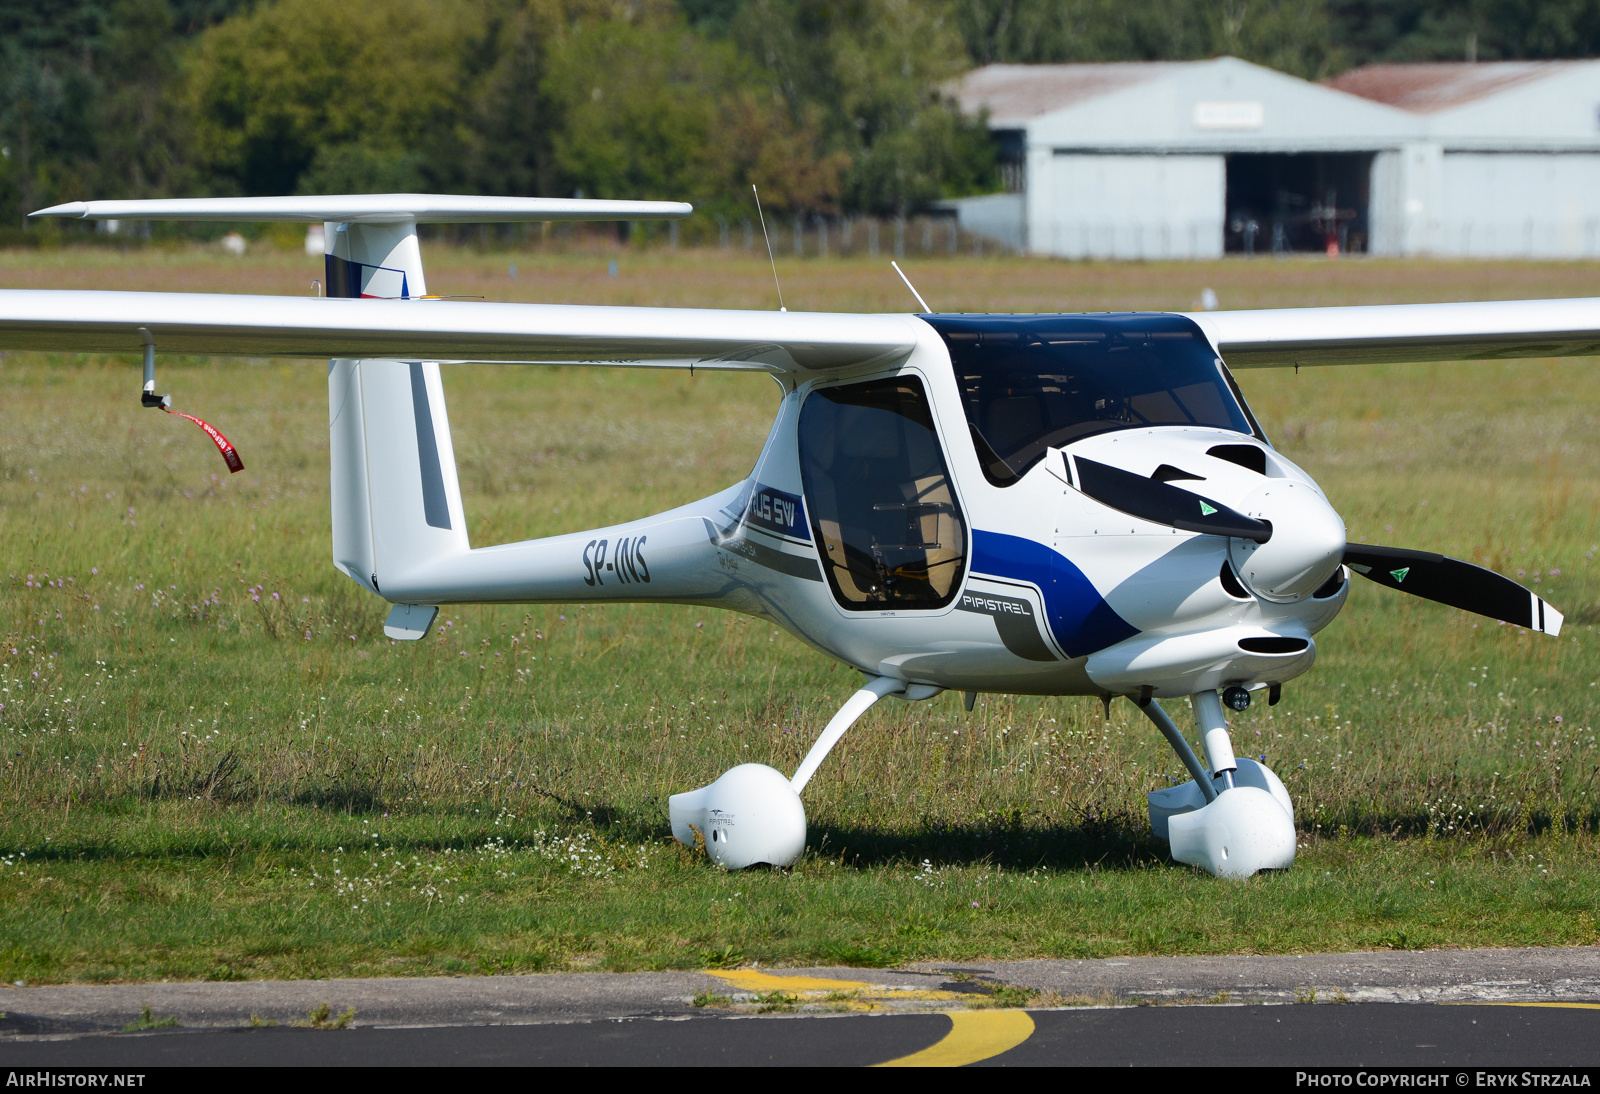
(1163, 503)
(1453, 582)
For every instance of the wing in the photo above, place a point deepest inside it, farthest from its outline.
(1405, 332)
(450, 331)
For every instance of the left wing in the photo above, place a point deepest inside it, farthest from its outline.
(1404, 332)
(450, 331)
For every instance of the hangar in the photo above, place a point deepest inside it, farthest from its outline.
(1196, 159)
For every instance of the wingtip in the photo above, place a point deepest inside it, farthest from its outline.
(70, 209)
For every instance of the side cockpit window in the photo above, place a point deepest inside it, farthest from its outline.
(885, 519)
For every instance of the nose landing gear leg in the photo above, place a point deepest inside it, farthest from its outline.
(1214, 733)
(1231, 822)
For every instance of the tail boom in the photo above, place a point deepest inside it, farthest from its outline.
(668, 557)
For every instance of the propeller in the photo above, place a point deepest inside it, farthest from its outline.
(1453, 582)
(1163, 503)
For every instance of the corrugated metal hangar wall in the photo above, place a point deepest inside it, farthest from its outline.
(1199, 159)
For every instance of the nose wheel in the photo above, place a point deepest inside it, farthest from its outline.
(1233, 820)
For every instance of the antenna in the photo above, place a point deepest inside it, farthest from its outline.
(910, 286)
(768, 238)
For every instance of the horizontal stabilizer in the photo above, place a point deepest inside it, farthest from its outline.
(1394, 333)
(371, 209)
(77, 321)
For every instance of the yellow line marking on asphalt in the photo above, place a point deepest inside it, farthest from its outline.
(1571, 1006)
(974, 1035)
(751, 980)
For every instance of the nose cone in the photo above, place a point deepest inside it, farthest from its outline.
(1306, 547)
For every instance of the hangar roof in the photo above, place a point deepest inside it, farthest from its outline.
(1219, 105)
(1226, 105)
(1496, 105)
(1016, 94)
(1426, 88)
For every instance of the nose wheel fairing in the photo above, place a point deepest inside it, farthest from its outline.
(1233, 820)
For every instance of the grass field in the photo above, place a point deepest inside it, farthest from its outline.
(216, 767)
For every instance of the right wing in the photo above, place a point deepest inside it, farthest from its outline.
(1394, 333)
(783, 343)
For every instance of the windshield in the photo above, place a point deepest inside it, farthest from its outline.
(1032, 383)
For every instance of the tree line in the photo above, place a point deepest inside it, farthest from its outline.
(830, 106)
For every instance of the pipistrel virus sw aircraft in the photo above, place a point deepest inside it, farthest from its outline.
(1039, 504)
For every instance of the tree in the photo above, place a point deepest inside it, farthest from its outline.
(1291, 35)
(302, 94)
(638, 104)
(85, 103)
(650, 109)
(870, 75)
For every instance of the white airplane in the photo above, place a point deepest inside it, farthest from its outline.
(1035, 504)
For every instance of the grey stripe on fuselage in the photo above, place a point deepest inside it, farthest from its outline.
(801, 566)
(1014, 619)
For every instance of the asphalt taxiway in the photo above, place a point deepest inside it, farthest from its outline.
(1486, 1008)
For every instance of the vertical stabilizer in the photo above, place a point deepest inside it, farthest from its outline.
(374, 261)
(396, 499)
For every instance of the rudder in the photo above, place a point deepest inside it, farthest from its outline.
(395, 494)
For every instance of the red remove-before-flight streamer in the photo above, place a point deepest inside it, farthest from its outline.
(230, 455)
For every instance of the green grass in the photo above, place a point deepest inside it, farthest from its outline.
(198, 783)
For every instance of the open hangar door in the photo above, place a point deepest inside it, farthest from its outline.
(1304, 201)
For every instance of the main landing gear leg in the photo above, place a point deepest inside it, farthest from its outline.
(857, 705)
(1235, 819)
(752, 814)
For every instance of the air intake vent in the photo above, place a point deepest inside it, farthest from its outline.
(1245, 455)
(1231, 583)
(1273, 644)
(1330, 587)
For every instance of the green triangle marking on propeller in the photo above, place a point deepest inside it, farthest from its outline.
(1206, 510)
(1400, 574)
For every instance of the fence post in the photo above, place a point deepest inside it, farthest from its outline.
(899, 237)
(872, 237)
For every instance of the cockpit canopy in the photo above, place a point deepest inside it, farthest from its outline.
(1032, 383)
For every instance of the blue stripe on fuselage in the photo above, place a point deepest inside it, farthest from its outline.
(1079, 617)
